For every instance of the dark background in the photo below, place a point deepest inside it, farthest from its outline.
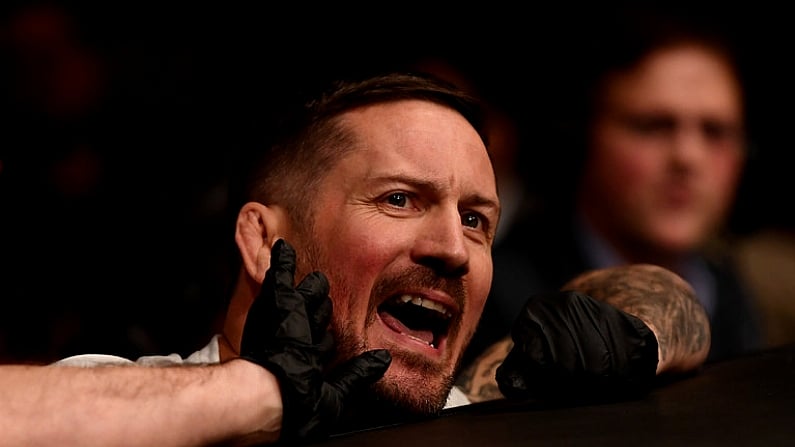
(116, 214)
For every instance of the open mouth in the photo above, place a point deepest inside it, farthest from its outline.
(423, 320)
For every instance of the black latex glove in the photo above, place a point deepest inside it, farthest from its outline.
(570, 347)
(286, 332)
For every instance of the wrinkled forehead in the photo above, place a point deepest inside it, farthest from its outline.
(421, 138)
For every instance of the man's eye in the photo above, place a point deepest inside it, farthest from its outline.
(652, 126)
(470, 220)
(722, 133)
(397, 199)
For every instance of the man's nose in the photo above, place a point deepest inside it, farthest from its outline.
(441, 244)
(689, 144)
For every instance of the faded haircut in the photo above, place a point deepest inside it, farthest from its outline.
(309, 138)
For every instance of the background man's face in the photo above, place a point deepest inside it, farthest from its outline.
(668, 149)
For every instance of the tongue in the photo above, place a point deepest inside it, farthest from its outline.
(397, 326)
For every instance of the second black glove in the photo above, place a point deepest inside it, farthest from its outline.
(569, 347)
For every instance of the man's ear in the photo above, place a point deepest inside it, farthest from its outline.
(258, 228)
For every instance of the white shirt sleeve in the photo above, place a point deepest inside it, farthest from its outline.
(207, 355)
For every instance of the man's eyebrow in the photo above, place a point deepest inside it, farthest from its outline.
(479, 201)
(410, 180)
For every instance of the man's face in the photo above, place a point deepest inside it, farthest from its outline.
(668, 149)
(403, 227)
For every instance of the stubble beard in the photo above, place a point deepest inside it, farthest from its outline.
(427, 397)
(422, 390)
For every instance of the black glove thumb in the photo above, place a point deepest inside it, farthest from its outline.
(365, 369)
(341, 386)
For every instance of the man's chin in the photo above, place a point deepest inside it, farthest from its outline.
(386, 404)
(413, 382)
(413, 401)
(418, 389)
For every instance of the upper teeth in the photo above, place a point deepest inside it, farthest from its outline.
(428, 304)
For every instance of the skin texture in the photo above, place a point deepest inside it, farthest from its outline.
(666, 153)
(139, 406)
(657, 296)
(412, 210)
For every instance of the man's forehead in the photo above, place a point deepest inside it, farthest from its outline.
(411, 124)
(422, 140)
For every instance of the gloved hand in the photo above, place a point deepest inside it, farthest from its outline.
(286, 333)
(570, 347)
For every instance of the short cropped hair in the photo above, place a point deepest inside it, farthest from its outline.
(309, 138)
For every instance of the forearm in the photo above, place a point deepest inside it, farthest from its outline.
(138, 406)
(659, 298)
(662, 300)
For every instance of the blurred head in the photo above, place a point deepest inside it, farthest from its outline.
(385, 186)
(665, 148)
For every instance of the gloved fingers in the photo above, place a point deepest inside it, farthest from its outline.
(314, 288)
(288, 312)
(590, 333)
(319, 321)
(320, 309)
(264, 315)
(513, 376)
(362, 370)
(341, 384)
(542, 335)
(531, 352)
(616, 338)
(280, 274)
(531, 361)
(574, 327)
(570, 346)
(521, 378)
(530, 342)
(635, 352)
(325, 347)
